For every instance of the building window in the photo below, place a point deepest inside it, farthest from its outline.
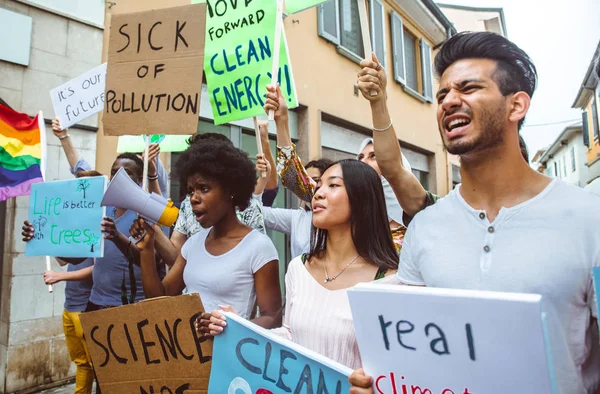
(339, 23)
(573, 166)
(550, 172)
(409, 52)
(455, 175)
(556, 173)
(564, 166)
(423, 177)
(595, 118)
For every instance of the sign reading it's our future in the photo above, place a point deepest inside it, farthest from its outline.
(66, 216)
(154, 75)
(238, 59)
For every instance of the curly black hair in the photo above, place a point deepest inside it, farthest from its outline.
(515, 71)
(222, 162)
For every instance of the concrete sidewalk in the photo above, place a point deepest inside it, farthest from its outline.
(66, 389)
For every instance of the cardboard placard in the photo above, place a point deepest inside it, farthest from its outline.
(66, 216)
(293, 6)
(238, 61)
(136, 143)
(149, 347)
(80, 98)
(249, 359)
(442, 341)
(154, 75)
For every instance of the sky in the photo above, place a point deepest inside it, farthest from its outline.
(560, 37)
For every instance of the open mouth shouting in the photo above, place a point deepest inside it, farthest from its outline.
(456, 125)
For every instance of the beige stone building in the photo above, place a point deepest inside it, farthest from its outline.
(45, 43)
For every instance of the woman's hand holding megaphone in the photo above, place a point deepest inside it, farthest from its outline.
(144, 233)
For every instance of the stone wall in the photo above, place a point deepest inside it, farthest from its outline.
(32, 344)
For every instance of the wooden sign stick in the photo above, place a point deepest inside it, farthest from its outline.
(48, 268)
(366, 36)
(145, 172)
(276, 49)
(258, 142)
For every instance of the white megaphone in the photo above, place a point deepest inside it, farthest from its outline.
(123, 192)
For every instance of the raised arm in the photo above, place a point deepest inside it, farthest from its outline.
(410, 193)
(173, 283)
(272, 180)
(289, 166)
(153, 185)
(111, 233)
(67, 144)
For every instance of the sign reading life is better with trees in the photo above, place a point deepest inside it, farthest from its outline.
(66, 216)
(154, 75)
(80, 98)
(238, 58)
(248, 359)
(442, 341)
(151, 347)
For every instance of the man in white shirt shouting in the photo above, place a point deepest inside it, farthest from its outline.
(506, 227)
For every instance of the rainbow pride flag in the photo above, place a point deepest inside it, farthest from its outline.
(22, 146)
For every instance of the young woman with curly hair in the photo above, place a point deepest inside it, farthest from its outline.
(229, 263)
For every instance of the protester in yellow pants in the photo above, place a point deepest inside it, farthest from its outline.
(77, 293)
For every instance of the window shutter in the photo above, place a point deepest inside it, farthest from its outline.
(585, 128)
(595, 118)
(398, 48)
(426, 70)
(329, 21)
(377, 16)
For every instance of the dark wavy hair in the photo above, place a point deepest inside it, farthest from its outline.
(221, 162)
(515, 71)
(368, 217)
(321, 164)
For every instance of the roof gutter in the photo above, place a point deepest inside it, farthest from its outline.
(441, 17)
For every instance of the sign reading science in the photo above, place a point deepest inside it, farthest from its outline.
(154, 75)
(151, 347)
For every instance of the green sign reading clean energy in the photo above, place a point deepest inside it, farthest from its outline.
(293, 6)
(238, 58)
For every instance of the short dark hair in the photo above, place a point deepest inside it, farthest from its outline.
(368, 217)
(208, 136)
(139, 163)
(321, 164)
(222, 162)
(83, 174)
(515, 71)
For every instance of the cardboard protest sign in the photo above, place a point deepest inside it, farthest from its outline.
(441, 341)
(154, 75)
(136, 143)
(249, 359)
(66, 216)
(238, 58)
(80, 98)
(293, 6)
(149, 347)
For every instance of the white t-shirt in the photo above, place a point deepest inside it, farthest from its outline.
(227, 279)
(547, 245)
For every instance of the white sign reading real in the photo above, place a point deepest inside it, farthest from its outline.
(441, 341)
(81, 97)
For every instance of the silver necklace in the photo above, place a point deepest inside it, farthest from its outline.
(327, 278)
